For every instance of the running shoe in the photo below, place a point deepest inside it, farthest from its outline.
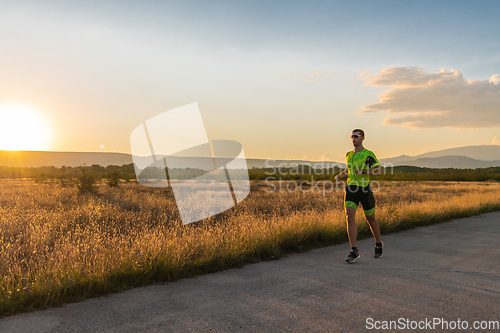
(379, 250)
(353, 255)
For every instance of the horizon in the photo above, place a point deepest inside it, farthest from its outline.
(251, 158)
(287, 80)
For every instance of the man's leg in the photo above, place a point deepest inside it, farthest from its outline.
(352, 230)
(374, 227)
(351, 201)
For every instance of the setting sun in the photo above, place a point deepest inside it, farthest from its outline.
(22, 128)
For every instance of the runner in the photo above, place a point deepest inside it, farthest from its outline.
(361, 163)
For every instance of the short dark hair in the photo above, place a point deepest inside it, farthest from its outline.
(360, 131)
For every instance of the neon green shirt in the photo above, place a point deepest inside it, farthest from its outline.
(362, 160)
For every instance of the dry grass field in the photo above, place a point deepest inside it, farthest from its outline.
(59, 246)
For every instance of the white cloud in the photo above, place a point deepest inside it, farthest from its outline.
(442, 99)
(364, 75)
(495, 141)
(309, 78)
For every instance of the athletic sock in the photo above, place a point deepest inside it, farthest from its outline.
(378, 244)
(354, 248)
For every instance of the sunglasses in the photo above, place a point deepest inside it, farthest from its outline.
(355, 136)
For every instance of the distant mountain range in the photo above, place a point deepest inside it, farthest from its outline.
(457, 162)
(469, 157)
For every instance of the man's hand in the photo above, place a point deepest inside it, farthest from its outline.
(377, 170)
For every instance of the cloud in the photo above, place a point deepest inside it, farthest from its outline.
(364, 75)
(315, 76)
(442, 99)
(495, 141)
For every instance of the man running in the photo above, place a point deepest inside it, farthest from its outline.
(361, 163)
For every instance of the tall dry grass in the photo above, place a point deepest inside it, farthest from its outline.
(58, 246)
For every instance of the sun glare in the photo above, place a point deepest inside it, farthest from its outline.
(22, 128)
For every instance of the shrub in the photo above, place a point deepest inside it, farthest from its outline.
(40, 178)
(113, 178)
(86, 182)
(64, 181)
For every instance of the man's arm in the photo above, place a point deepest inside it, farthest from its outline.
(374, 167)
(375, 171)
(342, 174)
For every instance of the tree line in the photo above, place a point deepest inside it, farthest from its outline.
(127, 172)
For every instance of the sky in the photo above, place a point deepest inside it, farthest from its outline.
(286, 79)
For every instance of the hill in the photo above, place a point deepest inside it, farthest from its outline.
(74, 159)
(483, 153)
(457, 162)
(59, 159)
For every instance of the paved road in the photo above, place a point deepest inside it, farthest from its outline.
(449, 271)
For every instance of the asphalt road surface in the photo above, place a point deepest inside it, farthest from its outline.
(445, 272)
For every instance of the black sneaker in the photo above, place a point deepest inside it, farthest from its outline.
(379, 250)
(353, 255)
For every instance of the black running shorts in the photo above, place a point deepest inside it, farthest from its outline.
(355, 194)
